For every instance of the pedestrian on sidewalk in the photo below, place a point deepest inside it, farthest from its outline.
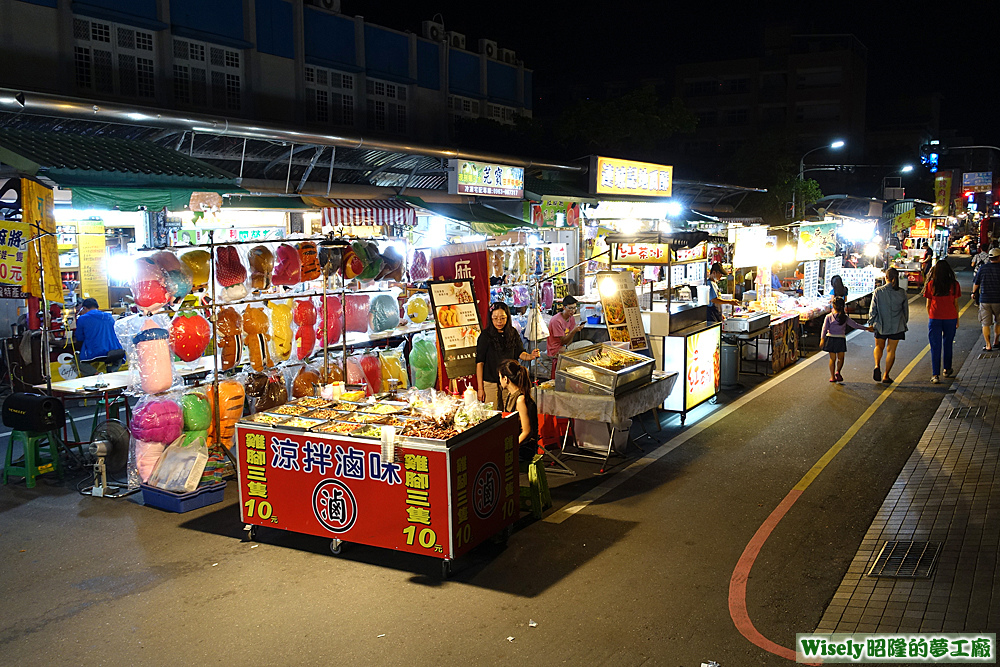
(941, 291)
(888, 316)
(833, 337)
(986, 293)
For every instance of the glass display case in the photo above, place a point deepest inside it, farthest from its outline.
(602, 370)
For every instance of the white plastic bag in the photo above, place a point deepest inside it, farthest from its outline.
(180, 466)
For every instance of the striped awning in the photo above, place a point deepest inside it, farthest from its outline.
(368, 212)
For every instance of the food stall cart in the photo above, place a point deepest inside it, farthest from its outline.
(336, 479)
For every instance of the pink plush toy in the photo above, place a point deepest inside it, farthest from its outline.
(152, 347)
(288, 267)
(158, 420)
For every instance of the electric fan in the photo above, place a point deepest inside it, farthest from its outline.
(109, 443)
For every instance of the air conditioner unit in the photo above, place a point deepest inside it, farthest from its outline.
(432, 31)
(508, 56)
(331, 5)
(456, 39)
(488, 48)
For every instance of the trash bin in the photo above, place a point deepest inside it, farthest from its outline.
(729, 365)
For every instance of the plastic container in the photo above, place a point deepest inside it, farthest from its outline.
(594, 319)
(203, 496)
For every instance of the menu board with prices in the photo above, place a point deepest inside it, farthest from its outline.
(810, 283)
(695, 273)
(857, 281)
(678, 275)
(621, 308)
(457, 322)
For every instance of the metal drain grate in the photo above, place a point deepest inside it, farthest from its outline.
(991, 354)
(906, 560)
(967, 412)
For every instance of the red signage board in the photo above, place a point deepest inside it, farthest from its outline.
(343, 488)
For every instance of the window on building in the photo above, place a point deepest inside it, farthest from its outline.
(501, 114)
(329, 96)
(736, 116)
(817, 112)
(113, 59)
(207, 75)
(386, 104)
(819, 78)
(709, 118)
(774, 114)
(773, 82)
(734, 86)
(700, 87)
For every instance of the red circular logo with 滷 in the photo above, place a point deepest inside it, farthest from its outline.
(334, 505)
(486, 490)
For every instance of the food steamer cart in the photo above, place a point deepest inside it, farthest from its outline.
(437, 498)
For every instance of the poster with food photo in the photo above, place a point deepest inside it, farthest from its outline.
(457, 322)
(621, 308)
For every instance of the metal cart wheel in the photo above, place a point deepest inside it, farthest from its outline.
(250, 531)
(335, 546)
(445, 569)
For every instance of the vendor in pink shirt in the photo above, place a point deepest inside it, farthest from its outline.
(562, 327)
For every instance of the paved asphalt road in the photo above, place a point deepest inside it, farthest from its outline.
(641, 575)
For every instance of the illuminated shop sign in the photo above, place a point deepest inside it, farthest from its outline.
(484, 179)
(625, 177)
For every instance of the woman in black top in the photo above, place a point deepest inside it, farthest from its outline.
(500, 341)
(838, 287)
(517, 395)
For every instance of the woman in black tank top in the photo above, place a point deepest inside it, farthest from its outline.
(514, 380)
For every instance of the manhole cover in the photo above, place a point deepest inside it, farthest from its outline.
(906, 560)
(967, 412)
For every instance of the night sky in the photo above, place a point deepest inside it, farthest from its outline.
(910, 48)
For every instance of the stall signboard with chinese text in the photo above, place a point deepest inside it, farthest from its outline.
(484, 179)
(38, 213)
(810, 280)
(93, 267)
(457, 322)
(611, 176)
(703, 366)
(920, 229)
(904, 220)
(817, 241)
(977, 181)
(553, 213)
(695, 254)
(640, 253)
(942, 192)
(621, 308)
(13, 250)
(343, 488)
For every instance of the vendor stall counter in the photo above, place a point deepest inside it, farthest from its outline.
(438, 498)
(695, 353)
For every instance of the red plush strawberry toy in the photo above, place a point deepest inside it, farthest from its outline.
(230, 273)
(189, 335)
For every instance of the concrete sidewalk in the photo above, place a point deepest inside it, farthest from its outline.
(947, 493)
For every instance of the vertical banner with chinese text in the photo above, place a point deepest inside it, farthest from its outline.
(621, 308)
(462, 261)
(93, 268)
(13, 250)
(942, 192)
(38, 214)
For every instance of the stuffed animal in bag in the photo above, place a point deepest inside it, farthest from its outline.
(199, 263)
(256, 327)
(230, 273)
(261, 261)
(275, 393)
(197, 416)
(177, 275)
(189, 335)
(304, 316)
(149, 286)
(227, 331)
(230, 409)
(288, 269)
(305, 382)
(308, 260)
(281, 329)
(332, 323)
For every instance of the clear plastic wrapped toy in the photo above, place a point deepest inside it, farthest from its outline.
(424, 360)
(230, 274)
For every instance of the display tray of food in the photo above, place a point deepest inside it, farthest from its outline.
(343, 428)
(384, 408)
(327, 413)
(311, 402)
(367, 431)
(302, 423)
(344, 406)
(601, 369)
(432, 433)
(291, 409)
(264, 419)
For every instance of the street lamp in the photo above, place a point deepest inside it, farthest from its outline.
(802, 166)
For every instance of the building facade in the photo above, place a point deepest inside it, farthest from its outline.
(295, 62)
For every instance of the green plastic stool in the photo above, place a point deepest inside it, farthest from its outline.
(35, 463)
(536, 496)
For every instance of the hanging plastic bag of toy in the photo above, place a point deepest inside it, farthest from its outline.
(261, 262)
(257, 328)
(230, 274)
(199, 264)
(308, 260)
(156, 422)
(178, 277)
(418, 308)
(393, 363)
(275, 391)
(331, 321)
(548, 295)
(305, 382)
(230, 409)
(281, 329)
(358, 309)
(190, 334)
(146, 341)
(304, 316)
(420, 267)
(149, 286)
(372, 370)
(355, 375)
(424, 360)
(383, 313)
(229, 332)
(288, 266)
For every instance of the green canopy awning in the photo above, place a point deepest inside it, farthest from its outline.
(104, 172)
(481, 219)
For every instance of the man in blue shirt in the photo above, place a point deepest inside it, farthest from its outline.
(95, 330)
(986, 292)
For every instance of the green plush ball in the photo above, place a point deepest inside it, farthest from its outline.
(197, 413)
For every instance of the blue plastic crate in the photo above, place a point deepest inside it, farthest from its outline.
(183, 502)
